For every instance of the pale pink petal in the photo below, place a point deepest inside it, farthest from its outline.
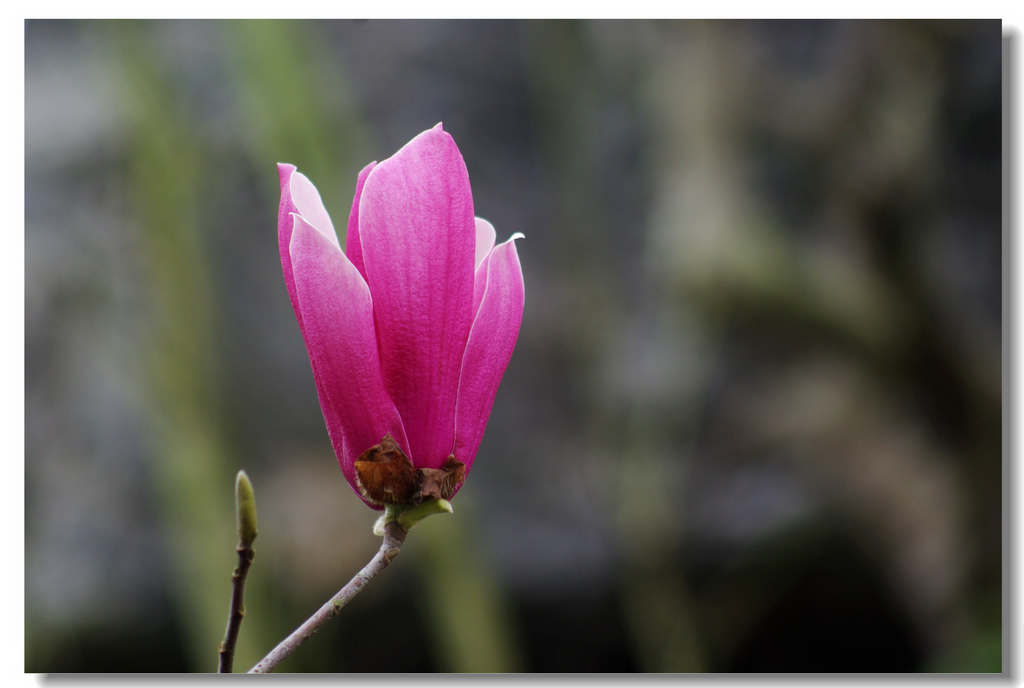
(484, 245)
(480, 282)
(337, 311)
(489, 349)
(353, 249)
(418, 240)
(485, 236)
(298, 195)
(309, 205)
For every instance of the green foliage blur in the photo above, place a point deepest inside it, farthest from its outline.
(753, 421)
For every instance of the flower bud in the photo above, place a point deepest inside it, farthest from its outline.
(245, 511)
(411, 326)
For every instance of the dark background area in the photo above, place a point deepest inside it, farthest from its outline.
(753, 420)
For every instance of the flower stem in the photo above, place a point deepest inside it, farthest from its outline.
(237, 613)
(394, 536)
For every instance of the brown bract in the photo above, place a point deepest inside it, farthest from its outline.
(385, 475)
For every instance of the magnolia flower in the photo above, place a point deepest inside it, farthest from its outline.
(410, 328)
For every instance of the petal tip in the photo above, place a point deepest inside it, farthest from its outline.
(285, 170)
(297, 222)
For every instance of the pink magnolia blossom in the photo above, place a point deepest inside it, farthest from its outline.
(410, 328)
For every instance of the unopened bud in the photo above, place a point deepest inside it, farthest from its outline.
(245, 511)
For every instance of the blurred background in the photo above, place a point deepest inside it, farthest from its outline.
(753, 421)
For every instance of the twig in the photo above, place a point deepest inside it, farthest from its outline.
(394, 536)
(227, 647)
(245, 523)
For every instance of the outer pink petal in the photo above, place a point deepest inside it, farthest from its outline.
(284, 232)
(489, 349)
(353, 249)
(337, 311)
(298, 195)
(418, 238)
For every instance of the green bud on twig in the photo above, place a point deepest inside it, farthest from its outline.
(245, 511)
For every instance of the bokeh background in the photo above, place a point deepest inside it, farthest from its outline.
(753, 421)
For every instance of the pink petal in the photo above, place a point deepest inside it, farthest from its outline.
(337, 311)
(298, 195)
(489, 349)
(485, 236)
(309, 205)
(284, 232)
(484, 244)
(353, 249)
(418, 238)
